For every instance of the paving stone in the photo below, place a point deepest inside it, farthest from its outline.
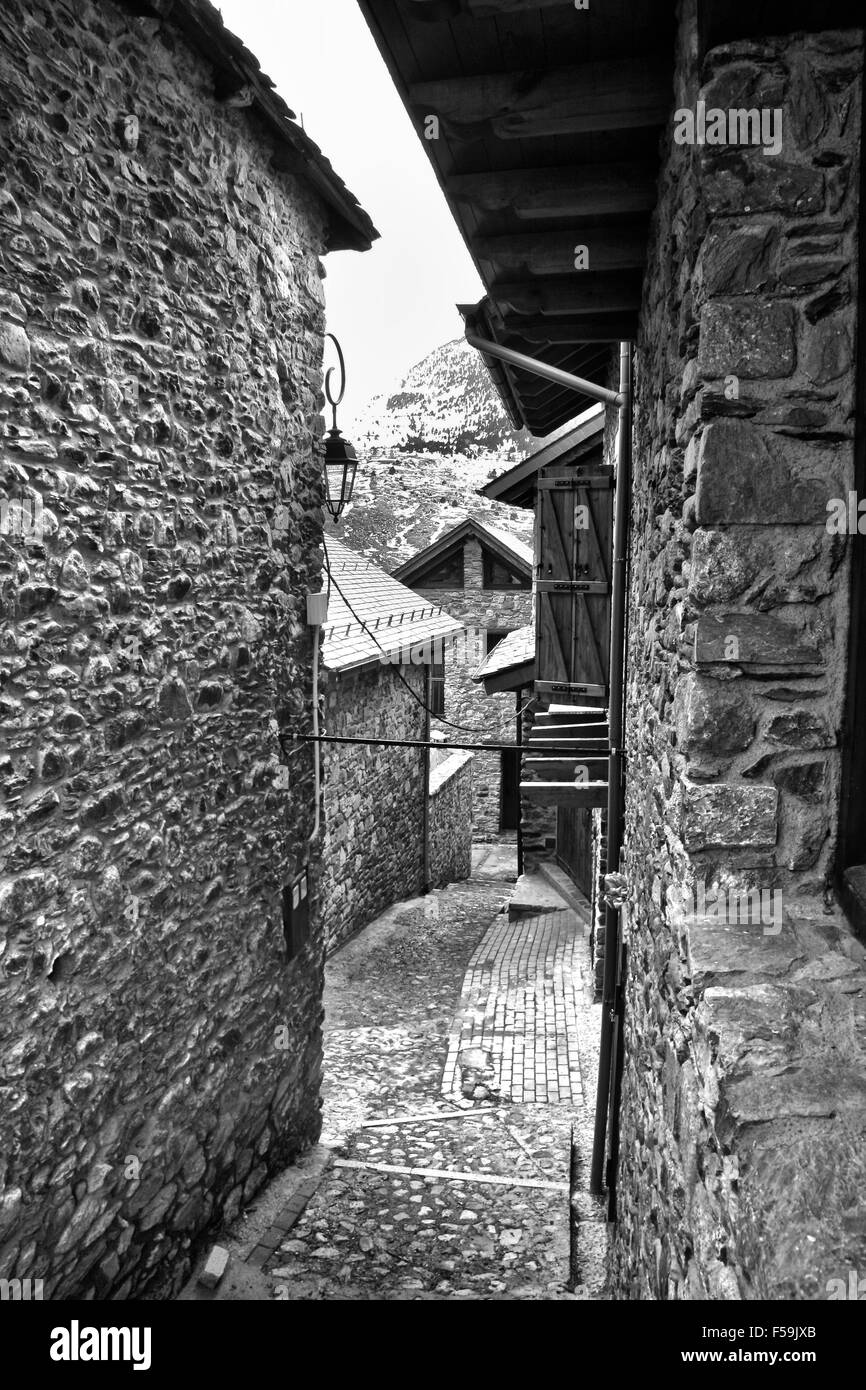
(367, 1234)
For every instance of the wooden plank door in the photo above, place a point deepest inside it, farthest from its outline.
(509, 793)
(575, 537)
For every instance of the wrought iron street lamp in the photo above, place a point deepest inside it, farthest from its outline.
(341, 461)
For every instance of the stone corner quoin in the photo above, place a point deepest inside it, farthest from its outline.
(737, 660)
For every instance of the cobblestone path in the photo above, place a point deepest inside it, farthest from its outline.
(431, 1194)
(519, 1003)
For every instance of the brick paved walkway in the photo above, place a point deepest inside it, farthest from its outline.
(420, 1191)
(519, 1003)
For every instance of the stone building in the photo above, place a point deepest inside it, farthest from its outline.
(547, 831)
(713, 196)
(161, 334)
(394, 825)
(483, 577)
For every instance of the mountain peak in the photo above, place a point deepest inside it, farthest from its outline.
(446, 404)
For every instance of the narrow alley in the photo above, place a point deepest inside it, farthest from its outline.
(418, 1190)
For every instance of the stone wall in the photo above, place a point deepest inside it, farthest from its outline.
(374, 797)
(450, 814)
(597, 910)
(490, 716)
(161, 319)
(743, 1095)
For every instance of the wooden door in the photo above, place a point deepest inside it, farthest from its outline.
(575, 537)
(574, 845)
(509, 793)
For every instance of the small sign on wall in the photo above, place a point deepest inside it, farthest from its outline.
(296, 913)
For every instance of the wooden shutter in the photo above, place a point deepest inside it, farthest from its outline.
(573, 586)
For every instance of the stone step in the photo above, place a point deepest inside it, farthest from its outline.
(565, 793)
(567, 770)
(567, 889)
(534, 895)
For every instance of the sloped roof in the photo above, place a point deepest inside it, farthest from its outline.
(506, 666)
(506, 546)
(238, 75)
(517, 485)
(394, 619)
(549, 125)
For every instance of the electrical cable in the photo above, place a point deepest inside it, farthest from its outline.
(461, 728)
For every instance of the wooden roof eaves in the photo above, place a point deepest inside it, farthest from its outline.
(576, 441)
(459, 534)
(513, 678)
(236, 67)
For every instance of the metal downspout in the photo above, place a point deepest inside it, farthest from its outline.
(621, 399)
(615, 766)
(519, 778)
(532, 364)
(425, 779)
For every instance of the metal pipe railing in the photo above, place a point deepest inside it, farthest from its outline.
(615, 763)
(570, 753)
(532, 364)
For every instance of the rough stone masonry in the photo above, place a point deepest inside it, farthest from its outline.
(374, 796)
(161, 322)
(744, 1107)
(466, 704)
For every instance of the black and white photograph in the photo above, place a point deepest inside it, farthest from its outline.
(432, 674)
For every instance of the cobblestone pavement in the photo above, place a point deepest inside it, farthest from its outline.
(431, 1193)
(519, 1004)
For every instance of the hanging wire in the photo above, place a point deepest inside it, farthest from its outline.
(461, 728)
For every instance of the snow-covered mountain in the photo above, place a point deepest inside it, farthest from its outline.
(446, 404)
(424, 450)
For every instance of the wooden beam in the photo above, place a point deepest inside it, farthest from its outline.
(582, 190)
(577, 715)
(512, 679)
(493, 9)
(432, 10)
(536, 394)
(566, 770)
(581, 732)
(579, 747)
(589, 328)
(554, 253)
(570, 690)
(627, 94)
(479, 9)
(590, 794)
(586, 293)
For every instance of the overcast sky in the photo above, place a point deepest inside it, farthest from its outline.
(392, 305)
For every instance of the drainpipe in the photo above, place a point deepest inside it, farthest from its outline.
(425, 769)
(611, 1012)
(543, 369)
(610, 1019)
(519, 778)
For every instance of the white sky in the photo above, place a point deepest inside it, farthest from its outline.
(390, 306)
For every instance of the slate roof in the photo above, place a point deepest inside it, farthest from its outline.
(398, 619)
(238, 74)
(505, 545)
(515, 650)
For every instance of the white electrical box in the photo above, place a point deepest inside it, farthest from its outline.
(317, 609)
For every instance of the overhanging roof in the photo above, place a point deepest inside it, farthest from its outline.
(508, 548)
(239, 80)
(511, 664)
(517, 486)
(394, 620)
(549, 124)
